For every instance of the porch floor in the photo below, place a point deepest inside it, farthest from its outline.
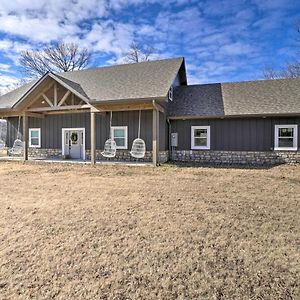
(76, 161)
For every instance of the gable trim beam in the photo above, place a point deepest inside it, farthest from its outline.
(64, 98)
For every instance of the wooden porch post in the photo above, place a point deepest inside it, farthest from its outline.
(155, 135)
(55, 94)
(25, 137)
(93, 138)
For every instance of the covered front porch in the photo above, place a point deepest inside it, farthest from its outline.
(56, 123)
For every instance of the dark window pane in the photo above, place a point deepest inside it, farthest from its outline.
(120, 142)
(288, 132)
(200, 133)
(285, 142)
(34, 142)
(200, 141)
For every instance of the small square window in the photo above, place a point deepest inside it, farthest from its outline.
(119, 134)
(170, 94)
(200, 137)
(35, 137)
(286, 137)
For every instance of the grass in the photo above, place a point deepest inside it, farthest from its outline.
(116, 232)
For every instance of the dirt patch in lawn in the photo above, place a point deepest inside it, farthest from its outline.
(116, 232)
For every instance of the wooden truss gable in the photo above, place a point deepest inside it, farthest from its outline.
(55, 97)
(51, 94)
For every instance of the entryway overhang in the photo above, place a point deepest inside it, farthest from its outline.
(128, 105)
(41, 86)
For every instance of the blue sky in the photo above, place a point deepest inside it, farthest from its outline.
(221, 40)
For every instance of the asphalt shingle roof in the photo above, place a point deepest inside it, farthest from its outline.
(197, 100)
(150, 80)
(9, 99)
(281, 96)
(131, 81)
(143, 80)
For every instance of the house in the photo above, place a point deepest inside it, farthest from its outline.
(73, 114)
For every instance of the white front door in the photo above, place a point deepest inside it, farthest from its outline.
(73, 143)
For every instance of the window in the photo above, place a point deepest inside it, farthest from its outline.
(200, 137)
(35, 137)
(67, 140)
(119, 134)
(286, 137)
(170, 94)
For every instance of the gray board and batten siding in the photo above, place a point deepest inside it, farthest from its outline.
(234, 134)
(51, 128)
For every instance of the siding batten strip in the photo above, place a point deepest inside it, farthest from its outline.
(25, 137)
(155, 137)
(93, 138)
(55, 94)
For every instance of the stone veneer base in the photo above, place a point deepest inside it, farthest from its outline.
(192, 156)
(122, 155)
(236, 157)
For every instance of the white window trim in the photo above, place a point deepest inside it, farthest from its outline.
(39, 131)
(126, 135)
(193, 147)
(295, 137)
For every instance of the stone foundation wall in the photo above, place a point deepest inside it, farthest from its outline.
(122, 155)
(44, 153)
(237, 157)
(198, 156)
(163, 156)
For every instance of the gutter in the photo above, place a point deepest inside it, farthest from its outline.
(234, 116)
(169, 136)
(124, 101)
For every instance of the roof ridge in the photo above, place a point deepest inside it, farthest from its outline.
(123, 65)
(259, 80)
(242, 82)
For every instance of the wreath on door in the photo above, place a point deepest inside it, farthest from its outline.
(74, 137)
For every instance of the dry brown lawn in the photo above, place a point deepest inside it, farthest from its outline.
(116, 232)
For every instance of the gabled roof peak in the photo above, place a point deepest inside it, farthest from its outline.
(145, 80)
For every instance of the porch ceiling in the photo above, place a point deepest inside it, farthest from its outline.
(127, 106)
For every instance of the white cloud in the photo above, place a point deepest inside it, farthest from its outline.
(4, 67)
(216, 36)
(237, 48)
(12, 49)
(274, 5)
(68, 10)
(37, 30)
(110, 37)
(5, 45)
(222, 8)
(7, 82)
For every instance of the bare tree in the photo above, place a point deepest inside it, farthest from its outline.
(62, 57)
(291, 70)
(271, 73)
(138, 54)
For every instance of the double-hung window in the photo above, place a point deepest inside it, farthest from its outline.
(35, 137)
(200, 137)
(286, 137)
(119, 134)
